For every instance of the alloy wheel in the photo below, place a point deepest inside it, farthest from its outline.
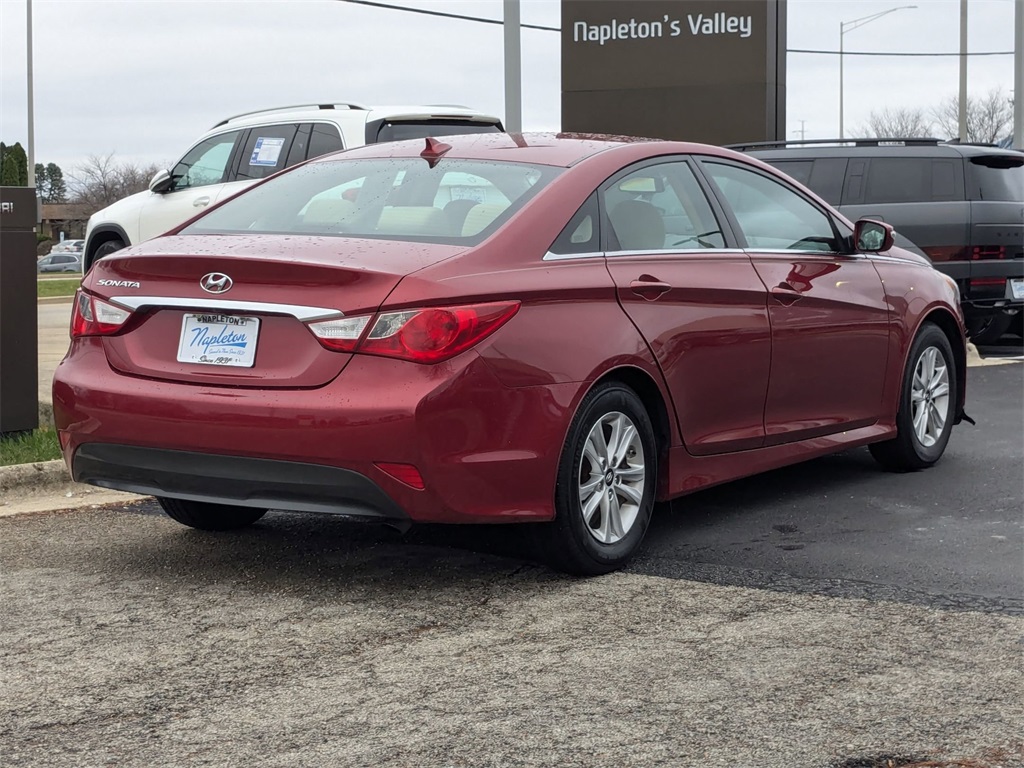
(929, 396)
(611, 478)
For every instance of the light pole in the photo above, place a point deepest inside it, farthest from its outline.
(847, 26)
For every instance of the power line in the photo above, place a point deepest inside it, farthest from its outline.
(874, 53)
(442, 14)
(499, 22)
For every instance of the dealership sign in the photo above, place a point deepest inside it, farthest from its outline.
(679, 69)
(717, 24)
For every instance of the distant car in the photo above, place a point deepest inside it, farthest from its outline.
(242, 149)
(59, 262)
(68, 246)
(962, 204)
(504, 328)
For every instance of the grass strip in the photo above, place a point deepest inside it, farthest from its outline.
(46, 288)
(29, 447)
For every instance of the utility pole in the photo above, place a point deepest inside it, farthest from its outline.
(963, 70)
(803, 130)
(31, 107)
(513, 68)
(1018, 74)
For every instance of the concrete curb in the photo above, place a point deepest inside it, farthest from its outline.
(55, 299)
(40, 475)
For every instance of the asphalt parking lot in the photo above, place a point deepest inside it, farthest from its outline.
(823, 615)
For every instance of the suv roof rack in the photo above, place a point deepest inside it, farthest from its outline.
(334, 105)
(913, 141)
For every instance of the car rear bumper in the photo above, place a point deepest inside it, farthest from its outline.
(486, 452)
(985, 285)
(241, 480)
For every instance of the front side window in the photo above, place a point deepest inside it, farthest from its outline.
(770, 214)
(456, 201)
(660, 207)
(206, 163)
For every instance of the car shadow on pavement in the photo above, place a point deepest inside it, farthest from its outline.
(292, 549)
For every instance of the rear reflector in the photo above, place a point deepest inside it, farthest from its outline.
(91, 316)
(978, 282)
(404, 473)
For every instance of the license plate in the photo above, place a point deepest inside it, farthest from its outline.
(218, 340)
(1017, 288)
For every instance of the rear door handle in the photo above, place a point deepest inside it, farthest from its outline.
(785, 294)
(649, 289)
(201, 201)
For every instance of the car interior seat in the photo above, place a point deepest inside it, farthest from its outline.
(638, 225)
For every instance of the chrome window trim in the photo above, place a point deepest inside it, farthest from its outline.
(677, 252)
(549, 256)
(791, 251)
(301, 313)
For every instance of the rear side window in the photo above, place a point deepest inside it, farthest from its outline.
(400, 131)
(996, 177)
(911, 180)
(325, 139)
(823, 176)
(265, 151)
(456, 201)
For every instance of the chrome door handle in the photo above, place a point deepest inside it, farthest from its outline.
(201, 201)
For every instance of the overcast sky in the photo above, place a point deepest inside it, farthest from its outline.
(144, 78)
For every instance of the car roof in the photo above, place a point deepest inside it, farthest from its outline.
(871, 148)
(350, 113)
(556, 149)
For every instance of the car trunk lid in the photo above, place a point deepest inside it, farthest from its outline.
(263, 292)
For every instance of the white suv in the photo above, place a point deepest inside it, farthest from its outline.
(241, 149)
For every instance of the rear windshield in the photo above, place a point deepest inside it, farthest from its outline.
(399, 131)
(997, 177)
(456, 201)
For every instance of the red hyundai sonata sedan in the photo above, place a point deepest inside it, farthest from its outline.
(504, 328)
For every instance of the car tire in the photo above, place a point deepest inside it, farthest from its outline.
(926, 398)
(607, 480)
(1017, 324)
(107, 248)
(987, 329)
(210, 517)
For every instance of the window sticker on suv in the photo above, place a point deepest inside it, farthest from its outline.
(266, 151)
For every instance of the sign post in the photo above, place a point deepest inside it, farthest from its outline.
(712, 71)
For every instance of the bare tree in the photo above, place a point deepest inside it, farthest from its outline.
(102, 180)
(898, 123)
(989, 117)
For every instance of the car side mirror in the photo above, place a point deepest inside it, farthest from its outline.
(873, 236)
(161, 182)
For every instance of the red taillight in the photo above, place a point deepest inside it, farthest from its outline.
(405, 473)
(980, 282)
(988, 252)
(436, 333)
(94, 317)
(428, 335)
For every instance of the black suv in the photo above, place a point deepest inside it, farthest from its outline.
(962, 204)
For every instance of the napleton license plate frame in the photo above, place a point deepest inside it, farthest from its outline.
(209, 338)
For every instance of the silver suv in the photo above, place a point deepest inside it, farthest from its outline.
(238, 151)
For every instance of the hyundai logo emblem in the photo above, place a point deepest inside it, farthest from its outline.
(216, 282)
